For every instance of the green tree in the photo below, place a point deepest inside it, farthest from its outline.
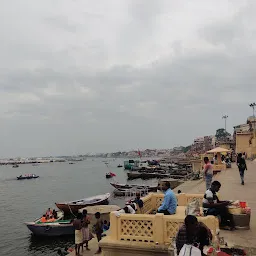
(186, 149)
(222, 134)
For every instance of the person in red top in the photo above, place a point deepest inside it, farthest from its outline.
(207, 172)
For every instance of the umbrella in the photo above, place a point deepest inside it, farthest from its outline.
(218, 150)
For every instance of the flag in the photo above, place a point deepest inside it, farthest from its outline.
(112, 174)
(139, 153)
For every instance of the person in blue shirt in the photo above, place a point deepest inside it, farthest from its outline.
(169, 204)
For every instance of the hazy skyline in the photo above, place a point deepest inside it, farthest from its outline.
(101, 76)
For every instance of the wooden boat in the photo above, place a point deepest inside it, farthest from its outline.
(129, 186)
(144, 175)
(60, 227)
(74, 206)
(33, 176)
(131, 191)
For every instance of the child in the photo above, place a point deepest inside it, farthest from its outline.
(98, 229)
(105, 226)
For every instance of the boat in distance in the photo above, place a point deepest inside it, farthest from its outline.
(59, 227)
(27, 177)
(74, 206)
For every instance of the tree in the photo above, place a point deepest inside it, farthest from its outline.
(186, 149)
(222, 134)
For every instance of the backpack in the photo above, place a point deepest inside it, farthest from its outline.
(189, 250)
(193, 208)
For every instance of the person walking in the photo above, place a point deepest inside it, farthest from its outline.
(207, 172)
(241, 166)
(98, 229)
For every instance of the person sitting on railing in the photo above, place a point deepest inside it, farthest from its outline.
(129, 208)
(138, 201)
(169, 204)
(193, 233)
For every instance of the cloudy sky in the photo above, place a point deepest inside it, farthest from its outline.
(81, 76)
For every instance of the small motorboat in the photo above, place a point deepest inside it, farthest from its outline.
(27, 177)
(119, 166)
(71, 163)
(15, 166)
(59, 227)
(108, 175)
(74, 206)
(130, 186)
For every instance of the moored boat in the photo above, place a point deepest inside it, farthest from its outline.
(27, 177)
(119, 166)
(108, 175)
(15, 166)
(74, 206)
(129, 186)
(144, 175)
(60, 227)
(129, 192)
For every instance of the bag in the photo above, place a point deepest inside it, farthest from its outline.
(189, 250)
(193, 208)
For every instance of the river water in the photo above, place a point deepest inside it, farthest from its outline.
(26, 200)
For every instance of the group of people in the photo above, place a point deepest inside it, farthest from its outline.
(49, 216)
(194, 232)
(82, 232)
(208, 169)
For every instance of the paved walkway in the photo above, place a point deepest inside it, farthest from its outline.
(233, 190)
(93, 245)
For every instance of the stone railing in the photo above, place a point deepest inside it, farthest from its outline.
(153, 200)
(149, 234)
(150, 229)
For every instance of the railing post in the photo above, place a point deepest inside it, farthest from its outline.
(182, 199)
(159, 228)
(113, 226)
(153, 201)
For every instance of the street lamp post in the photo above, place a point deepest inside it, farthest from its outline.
(253, 105)
(225, 117)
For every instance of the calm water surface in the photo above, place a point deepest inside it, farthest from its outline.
(25, 200)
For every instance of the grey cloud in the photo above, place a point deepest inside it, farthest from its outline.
(68, 91)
